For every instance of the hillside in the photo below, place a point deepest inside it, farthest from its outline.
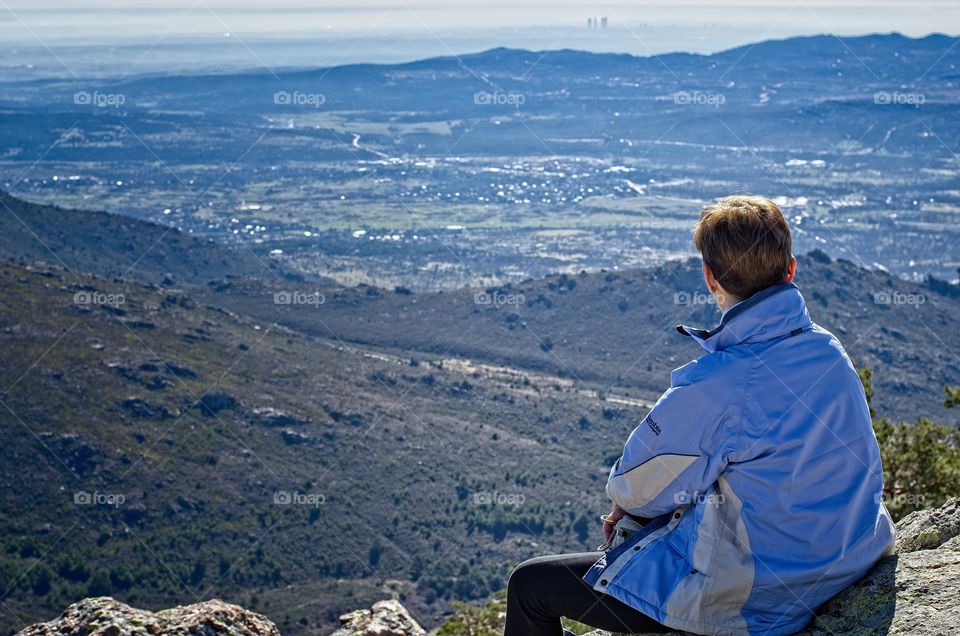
(116, 246)
(174, 427)
(604, 329)
(616, 329)
(424, 442)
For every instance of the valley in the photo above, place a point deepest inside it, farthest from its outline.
(499, 166)
(307, 339)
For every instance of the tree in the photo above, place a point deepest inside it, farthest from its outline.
(199, 571)
(488, 619)
(953, 396)
(376, 550)
(471, 620)
(499, 529)
(582, 527)
(921, 461)
(866, 379)
(100, 583)
(42, 581)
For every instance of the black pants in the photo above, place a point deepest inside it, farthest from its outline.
(543, 589)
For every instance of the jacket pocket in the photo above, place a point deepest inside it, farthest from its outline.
(683, 547)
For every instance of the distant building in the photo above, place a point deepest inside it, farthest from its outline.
(596, 23)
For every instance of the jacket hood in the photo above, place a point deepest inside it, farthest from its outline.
(770, 313)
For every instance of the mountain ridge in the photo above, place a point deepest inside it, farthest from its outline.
(496, 53)
(113, 245)
(586, 327)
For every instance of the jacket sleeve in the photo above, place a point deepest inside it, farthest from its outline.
(676, 453)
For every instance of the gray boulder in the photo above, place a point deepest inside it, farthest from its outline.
(385, 618)
(105, 616)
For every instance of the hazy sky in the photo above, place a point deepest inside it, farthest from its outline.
(85, 18)
(299, 33)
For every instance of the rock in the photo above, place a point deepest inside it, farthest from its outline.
(385, 618)
(274, 417)
(929, 529)
(913, 591)
(350, 418)
(140, 408)
(75, 452)
(293, 437)
(153, 382)
(180, 372)
(212, 403)
(105, 616)
(140, 324)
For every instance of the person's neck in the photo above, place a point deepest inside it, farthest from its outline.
(727, 303)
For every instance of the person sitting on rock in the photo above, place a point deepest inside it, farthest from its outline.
(753, 487)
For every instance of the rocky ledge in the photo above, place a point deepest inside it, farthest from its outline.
(385, 618)
(104, 616)
(914, 591)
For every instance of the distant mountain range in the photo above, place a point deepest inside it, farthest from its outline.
(855, 136)
(795, 89)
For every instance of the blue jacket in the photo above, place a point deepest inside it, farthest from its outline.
(761, 470)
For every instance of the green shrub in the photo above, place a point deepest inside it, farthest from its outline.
(921, 461)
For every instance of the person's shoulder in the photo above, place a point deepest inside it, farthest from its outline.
(827, 339)
(718, 365)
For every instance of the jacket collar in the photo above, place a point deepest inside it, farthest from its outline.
(770, 313)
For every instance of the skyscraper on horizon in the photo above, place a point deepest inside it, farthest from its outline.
(596, 23)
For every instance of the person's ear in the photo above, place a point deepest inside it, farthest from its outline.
(710, 279)
(791, 272)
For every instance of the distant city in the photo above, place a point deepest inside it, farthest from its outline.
(593, 24)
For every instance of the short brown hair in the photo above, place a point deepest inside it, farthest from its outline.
(746, 242)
